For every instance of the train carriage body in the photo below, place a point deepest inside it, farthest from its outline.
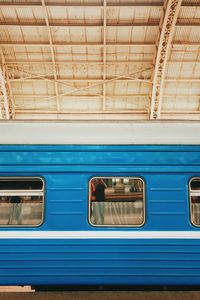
(153, 238)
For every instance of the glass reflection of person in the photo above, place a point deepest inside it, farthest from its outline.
(92, 191)
(100, 190)
(15, 210)
(100, 187)
(92, 198)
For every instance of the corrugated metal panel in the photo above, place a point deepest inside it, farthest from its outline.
(76, 35)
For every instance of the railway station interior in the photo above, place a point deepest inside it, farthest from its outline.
(97, 63)
(99, 60)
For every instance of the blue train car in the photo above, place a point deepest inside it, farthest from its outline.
(99, 204)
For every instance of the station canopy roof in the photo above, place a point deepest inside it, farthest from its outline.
(100, 59)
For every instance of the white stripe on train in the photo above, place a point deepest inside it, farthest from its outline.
(110, 234)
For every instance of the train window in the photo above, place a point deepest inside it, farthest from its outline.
(21, 201)
(116, 201)
(195, 201)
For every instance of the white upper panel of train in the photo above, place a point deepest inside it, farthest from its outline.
(100, 133)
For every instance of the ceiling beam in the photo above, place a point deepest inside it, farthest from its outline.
(32, 96)
(188, 22)
(79, 4)
(85, 80)
(171, 10)
(6, 96)
(85, 117)
(185, 44)
(35, 111)
(104, 52)
(109, 115)
(4, 102)
(92, 45)
(92, 4)
(96, 62)
(82, 62)
(193, 47)
(96, 45)
(109, 79)
(179, 23)
(181, 112)
(77, 25)
(187, 79)
(52, 53)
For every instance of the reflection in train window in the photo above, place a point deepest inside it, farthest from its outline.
(195, 201)
(21, 201)
(116, 201)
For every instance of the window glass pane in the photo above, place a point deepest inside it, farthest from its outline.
(21, 201)
(195, 201)
(116, 201)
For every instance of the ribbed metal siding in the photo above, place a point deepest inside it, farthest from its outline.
(66, 172)
(100, 262)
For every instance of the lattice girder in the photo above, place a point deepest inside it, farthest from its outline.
(168, 26)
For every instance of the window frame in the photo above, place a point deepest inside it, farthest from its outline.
(117, 225)
(190, 202)
(21, 178)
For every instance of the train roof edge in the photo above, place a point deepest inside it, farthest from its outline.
(100, 133)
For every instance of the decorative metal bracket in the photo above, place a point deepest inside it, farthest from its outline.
(4, 103)
(171, 9)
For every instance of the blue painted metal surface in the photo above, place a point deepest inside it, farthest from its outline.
(166, 171)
